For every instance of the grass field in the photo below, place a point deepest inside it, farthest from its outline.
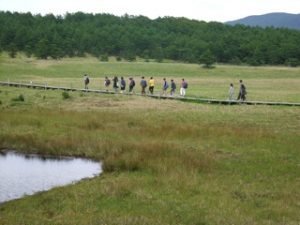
(165, 162)
(263, 83)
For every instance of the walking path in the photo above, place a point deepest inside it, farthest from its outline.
(187, 99)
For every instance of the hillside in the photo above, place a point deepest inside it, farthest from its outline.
(279, 20)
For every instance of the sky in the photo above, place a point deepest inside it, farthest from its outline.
(207, 10)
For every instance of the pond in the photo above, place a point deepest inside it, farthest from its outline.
(27, 174)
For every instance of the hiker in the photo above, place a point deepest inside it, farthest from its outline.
(122, 84)
(165, 86)
(131, 85)
(231, 92)
(115, 83)
(184, 86)
(242, 92)
(151, 85)
(106, 83)
(143, 84)
(173, 87)
(86, 80)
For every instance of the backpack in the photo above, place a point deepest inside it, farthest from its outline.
(87, 80)
(107, 82)
(144, 83)
(173, 85)
(132, 83)
(123, 83)
(185, 85)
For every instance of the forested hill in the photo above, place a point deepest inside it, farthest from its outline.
(280, 20)
(128, 36)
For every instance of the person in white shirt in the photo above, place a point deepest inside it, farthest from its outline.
(231, 92)
(183, 87)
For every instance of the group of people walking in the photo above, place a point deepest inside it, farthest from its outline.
(167, 88)
(242, 92)
(147, 87)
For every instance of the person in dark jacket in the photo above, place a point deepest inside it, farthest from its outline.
(143, 84)
(86, 80)
(116, 84)
(131, 85)
(122, 84)
(242, 92)
(165, 86)
(106, 83)
(173, 87)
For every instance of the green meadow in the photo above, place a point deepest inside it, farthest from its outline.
(164, 161)
(263, 83)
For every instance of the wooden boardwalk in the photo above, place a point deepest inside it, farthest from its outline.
(186, 99)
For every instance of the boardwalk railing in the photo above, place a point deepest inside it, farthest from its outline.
(187, 99)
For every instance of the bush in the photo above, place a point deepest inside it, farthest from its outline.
(66, 95)
(20, 98)
(104, 58)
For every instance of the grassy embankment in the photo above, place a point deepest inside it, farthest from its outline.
(165, 162)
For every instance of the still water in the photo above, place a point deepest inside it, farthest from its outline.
(27, 174)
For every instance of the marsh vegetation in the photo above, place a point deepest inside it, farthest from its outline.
(164, 162)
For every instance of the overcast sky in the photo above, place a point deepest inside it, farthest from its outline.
(207, 10)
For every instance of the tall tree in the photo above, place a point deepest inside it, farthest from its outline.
(208, 59)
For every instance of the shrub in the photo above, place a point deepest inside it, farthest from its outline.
(20, 98)
(66, 95)
(104, 58)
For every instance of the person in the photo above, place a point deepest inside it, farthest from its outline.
(230, 92)
(131, 84)
(242, 92)
(86, 80)
(165, 86)
(184, 86)
(143, 84)
(122, 84)
(115, 84)
(106, 83)
(173, 87)
(151, 85)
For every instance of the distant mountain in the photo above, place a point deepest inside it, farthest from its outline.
(280, 20)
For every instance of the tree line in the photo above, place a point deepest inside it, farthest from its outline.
(128, 37)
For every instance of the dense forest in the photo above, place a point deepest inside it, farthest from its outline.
(128, 37)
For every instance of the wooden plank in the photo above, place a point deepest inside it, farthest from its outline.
(187, 99)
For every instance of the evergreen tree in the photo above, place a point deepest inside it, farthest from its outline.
(77, 34)
(208, 59)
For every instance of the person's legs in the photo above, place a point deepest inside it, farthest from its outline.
(243, 97)
(183, 92)
(143, 91)
(151, 90)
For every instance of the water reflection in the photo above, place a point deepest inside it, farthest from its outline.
(27, 174)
